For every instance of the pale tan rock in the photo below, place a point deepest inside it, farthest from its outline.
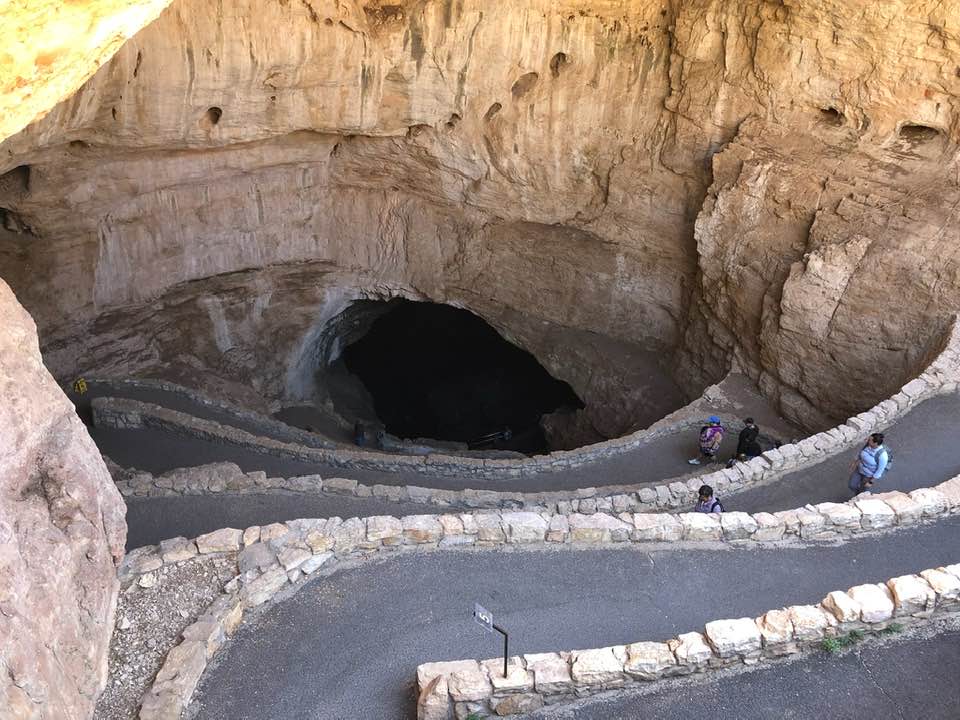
(558, 530)
(875, 601)
(518, 679)
(452, 525)
(385, 529)
(775, 627)
(906, 508)
(701, 526)
(314, 563)
(691, 649)
(419, 529)
(524, 527)
(769, 527)
(348, 535)
(597, 528)
(733, 637)
(520, 704)
(251, 535)
(945, 585)
(177, 550)
(264, 587)
(876, 514)
(648, 660)
(551, 673)
(737, 525)
(810, 622)
(952, 569)
(931, 501)
(951, 491)
(218, 541)
(292, 558)
(182, 668)
(468, 682)
(274, 531)
(843, 516)
(912, 595)
(489, 528)
(433, 702)
(843, 607)
(600, 666)
(319, 541)
(656, 527)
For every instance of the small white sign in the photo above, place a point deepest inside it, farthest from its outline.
(483, 616)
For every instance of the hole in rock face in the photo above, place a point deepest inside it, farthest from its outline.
(492, 111)
(212, 116)
(831, 116)
(557, 62)
(524, 84)
(916, 133)
(435, 371)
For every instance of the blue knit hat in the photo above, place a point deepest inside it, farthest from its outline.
(713, 419)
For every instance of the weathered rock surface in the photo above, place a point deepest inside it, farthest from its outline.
(50, 48)
(251, 185)
(61, 534)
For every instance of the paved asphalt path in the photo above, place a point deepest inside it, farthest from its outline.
(904, 678)
(156, 451)
(923, 446)
(347, 646)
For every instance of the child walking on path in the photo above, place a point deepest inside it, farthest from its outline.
(711, 435)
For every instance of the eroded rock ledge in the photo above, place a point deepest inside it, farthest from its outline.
(542, 165)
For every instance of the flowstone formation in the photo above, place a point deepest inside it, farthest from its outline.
(250, 169)
(61, 533)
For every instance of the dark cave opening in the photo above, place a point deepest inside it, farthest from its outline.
(436, 371)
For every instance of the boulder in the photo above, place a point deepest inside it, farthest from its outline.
(62, 535)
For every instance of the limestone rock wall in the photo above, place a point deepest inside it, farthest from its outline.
(62, 530)
(541, 163)
(50, 48)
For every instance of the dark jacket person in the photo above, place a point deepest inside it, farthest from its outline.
(747, 445)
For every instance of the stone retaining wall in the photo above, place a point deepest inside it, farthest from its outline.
(272, 558)
(479, 688)
(128, 414)
(270, 426)
(940, 377)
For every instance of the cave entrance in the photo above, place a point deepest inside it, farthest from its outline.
(439, 372)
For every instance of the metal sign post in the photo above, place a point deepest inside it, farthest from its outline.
(485, 618)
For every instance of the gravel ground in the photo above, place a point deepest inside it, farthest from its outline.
(149, 622)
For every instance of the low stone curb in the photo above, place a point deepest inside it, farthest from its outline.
(940, 377)
(479, 688)
(273, 557)
(127, 414)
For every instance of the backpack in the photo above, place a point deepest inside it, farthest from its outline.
(716, 504)
(889, 459)
(707, 434)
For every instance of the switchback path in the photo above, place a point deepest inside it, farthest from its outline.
(923, 444)
(347, 646)
(158, 451)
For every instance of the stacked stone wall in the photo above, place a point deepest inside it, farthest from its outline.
(274, 558)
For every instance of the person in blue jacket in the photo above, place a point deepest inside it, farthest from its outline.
(869, 465)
